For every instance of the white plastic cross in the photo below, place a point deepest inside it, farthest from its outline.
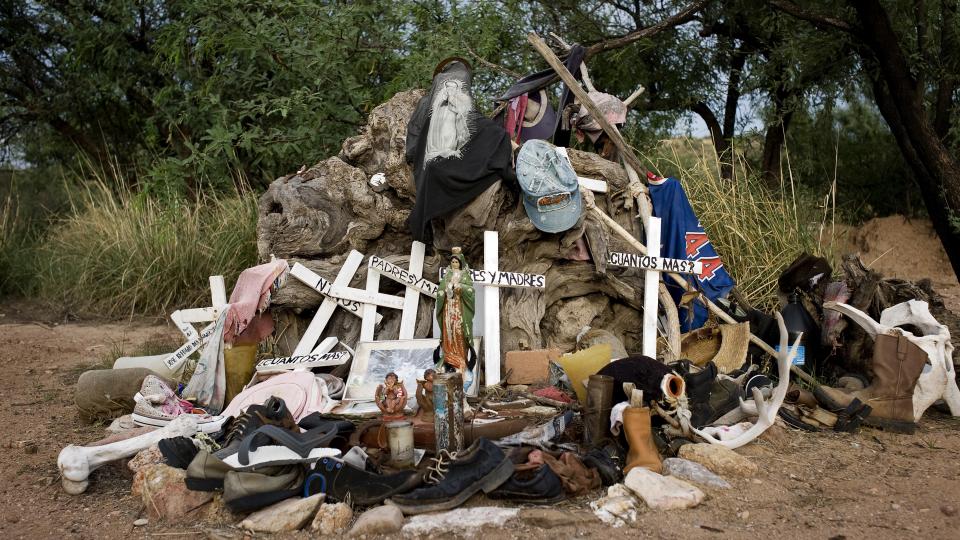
(184, 319)
(410, 301)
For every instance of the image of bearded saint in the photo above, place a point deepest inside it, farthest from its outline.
(456, 302)
(449, 114)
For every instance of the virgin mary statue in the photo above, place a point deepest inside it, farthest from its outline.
(456, 301)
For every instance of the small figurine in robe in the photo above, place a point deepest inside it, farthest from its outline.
(391, 396)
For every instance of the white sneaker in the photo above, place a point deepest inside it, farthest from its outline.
(157, 405)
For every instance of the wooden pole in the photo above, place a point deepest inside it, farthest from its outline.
(584, 99)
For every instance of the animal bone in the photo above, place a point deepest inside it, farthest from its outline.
(938, 380)
(77, 462)
(766, 410)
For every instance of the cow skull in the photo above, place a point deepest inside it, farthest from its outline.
(766, 410)
(938, 380)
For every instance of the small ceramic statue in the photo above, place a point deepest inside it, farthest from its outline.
(391, 396)
(456, 301)
(424, 395)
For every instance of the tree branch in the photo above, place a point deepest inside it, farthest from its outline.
(817, 19)
(682, 16)
(488, 64)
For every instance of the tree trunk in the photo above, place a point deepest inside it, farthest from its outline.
(900, 101)
(721, 143)
(318, 215)
(774, 139)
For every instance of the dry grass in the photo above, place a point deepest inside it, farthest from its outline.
(119, 253)
(756, 230)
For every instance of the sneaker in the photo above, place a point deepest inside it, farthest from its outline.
(532, 486)
(157, 405)
(178, 451)
(340, 480)
(273, 413)
(245, 492)
(454, 477)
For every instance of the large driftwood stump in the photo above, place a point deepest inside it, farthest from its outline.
(317, 216)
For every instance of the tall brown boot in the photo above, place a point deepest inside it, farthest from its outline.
(897, 364)
(643, 451)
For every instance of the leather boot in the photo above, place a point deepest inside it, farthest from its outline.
(597, 413)
(643, 451)
(897, 364)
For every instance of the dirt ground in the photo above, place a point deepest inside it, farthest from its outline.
(869, 484)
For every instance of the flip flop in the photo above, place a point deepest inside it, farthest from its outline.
(293, 448)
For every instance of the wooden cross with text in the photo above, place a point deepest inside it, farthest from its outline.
(653, 263)
(492, 279)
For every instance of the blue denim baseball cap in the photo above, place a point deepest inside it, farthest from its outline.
(551, 192)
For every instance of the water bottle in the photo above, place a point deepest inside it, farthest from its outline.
(797, 321)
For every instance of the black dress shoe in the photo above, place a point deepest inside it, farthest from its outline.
(534, 486)
(454, 477)
(339, 479)
(178, 451)
(608, 463)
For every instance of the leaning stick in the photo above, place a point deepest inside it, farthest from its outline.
(686, 287)
(631, 159)
(585, 100)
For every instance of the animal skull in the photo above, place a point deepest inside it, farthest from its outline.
(766, 410)
(938, 380)
(77, 462)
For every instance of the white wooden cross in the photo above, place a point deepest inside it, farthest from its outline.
(653, 263)
(330, 303)
(184, 319)
(411, 277)
(492, 279)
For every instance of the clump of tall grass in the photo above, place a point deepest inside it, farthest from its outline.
(16, 241)
(118, 252)
(756, 229)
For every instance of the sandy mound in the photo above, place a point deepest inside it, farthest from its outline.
(907, 249)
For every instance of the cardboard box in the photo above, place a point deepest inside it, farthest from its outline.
(530, 367)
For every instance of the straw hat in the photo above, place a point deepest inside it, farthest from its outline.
(726, 345)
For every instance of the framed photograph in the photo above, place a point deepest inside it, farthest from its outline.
(408, 358)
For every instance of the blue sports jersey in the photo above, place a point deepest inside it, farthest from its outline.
(682, 237)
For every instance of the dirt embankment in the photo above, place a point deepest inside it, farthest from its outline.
(905, 248)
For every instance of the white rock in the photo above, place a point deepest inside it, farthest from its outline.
(467, 521)
(288, 515)
(331, 519)
(693, 472)
(662, 492)
(380, 520)
(719, 459)
(618, 508)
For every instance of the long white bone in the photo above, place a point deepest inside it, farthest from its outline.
(766, 410)
(77, 462)
(938, 380)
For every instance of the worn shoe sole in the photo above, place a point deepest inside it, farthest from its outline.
(893, 426)
(210, 426)
(204, 484)
(488, 483)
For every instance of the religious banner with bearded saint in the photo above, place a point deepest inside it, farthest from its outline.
(456, 152)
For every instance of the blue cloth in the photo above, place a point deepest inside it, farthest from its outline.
(682, 237)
